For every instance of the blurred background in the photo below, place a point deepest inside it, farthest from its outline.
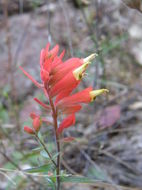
(108, 131)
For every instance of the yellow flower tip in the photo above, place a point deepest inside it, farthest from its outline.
(79, 72)
(95, 93)
(90, 58)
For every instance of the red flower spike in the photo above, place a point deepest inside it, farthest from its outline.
(54, 51)
(44, 76)
(48, 64)
(47, 57)
(70, 109)
(70, 81)
(67, 83)
(47, 47)
(62, 54)
(67, 66)
(62, 95)
(55, 62)
(42, 55)
(67, 122)
(31, 78)
(42, 104)
(29, 130)
(85, 96)
(63, 69)
(80, 97)
(60, 79)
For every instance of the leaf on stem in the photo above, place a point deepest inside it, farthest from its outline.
(40, 169)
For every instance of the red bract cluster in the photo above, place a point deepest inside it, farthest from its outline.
(58, 80)
(36, 124)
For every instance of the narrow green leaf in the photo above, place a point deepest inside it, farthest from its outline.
(97, 183)
(38, 149)
(40, 169)
(77, 179)
(19, 182)
(51, 183)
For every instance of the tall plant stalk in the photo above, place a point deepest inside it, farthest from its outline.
(58, 81)
(57, 138)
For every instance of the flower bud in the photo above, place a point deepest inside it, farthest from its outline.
(37, 122)
(28, 130)
(33, 115)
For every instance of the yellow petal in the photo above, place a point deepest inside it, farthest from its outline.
(95, 93)
(79, 72)
(90, 58)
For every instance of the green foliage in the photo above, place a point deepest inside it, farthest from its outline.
(78, 179)
(41, 169)
(5, 91)
(17, 182)
(5, 99)
(4, 117)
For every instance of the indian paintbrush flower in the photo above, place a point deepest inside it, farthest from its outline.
(58, 80)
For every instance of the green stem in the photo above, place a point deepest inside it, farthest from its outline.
(54, 115)
(42, 143)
